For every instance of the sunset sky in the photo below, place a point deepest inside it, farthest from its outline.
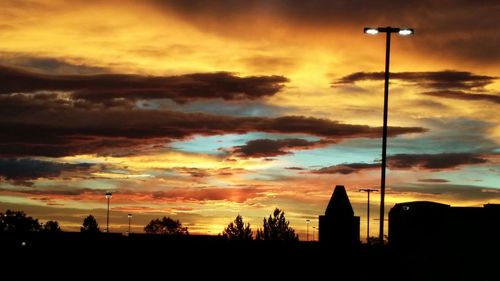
(201, 110)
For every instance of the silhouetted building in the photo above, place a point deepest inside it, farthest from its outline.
(339, 226)
(423, 225)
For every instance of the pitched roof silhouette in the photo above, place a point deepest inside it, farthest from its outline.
(339, 204)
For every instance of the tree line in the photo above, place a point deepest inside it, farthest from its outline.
(18, 221)
(274, 228)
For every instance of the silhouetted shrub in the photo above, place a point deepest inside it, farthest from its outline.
(166, 226)
(51, 226)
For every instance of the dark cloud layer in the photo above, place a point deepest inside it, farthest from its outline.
(48, 64)
(465, 30)
(461, 95)
(239, 195)
(269, 148)
(455, 191)
(104, 87)
(434, 161)
(346, 169)
(330, 12)
(52, 192)
(25, 170)
(440, 161)
(433, 180)
(324, 127)
(47, 125)
(446, 79)
(295, 168)
(460, 85)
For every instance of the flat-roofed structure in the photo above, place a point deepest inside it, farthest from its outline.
(424, 225)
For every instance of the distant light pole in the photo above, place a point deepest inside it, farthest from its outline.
(129, 219)
(108, 196)
(314, 229)
(368, 190)
(307, 232)
(373, 31)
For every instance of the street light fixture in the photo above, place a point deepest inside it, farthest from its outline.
(307, 232)
(368, 190)
(314, 229)
(373, 31)
(129, 219)
(108, 196)
(406, 31)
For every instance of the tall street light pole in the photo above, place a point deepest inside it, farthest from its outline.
(314, 229)
(108, 196)
(373, 31)
(368, 191)
(129, 219)
(307, 232)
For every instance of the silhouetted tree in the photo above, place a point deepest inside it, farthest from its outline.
(17, 221)
(51, 226)
(166, 226)
(90, 225)
(237, 230)
(276, 227)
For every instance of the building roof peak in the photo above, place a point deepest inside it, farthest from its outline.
(339, 204)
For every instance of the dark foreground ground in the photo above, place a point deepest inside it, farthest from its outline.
(82, 257)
